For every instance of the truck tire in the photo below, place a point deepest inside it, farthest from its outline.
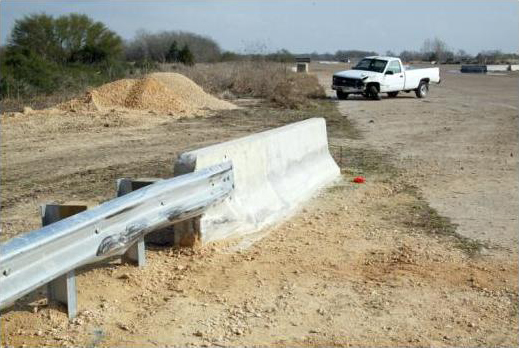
(373, 92)
(422, 90)
(392, 94)
(341, 95)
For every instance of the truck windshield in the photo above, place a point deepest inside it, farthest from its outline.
(375, 65)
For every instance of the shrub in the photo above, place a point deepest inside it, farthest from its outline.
(261, 79)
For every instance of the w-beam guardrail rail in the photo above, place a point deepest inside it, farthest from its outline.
(52, 253)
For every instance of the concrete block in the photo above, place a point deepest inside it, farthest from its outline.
(500, 67)
(514, 67)
(274, 172)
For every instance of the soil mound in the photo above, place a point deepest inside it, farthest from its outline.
(159, 92)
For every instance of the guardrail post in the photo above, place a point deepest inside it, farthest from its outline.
(137, 252)
(62, 289)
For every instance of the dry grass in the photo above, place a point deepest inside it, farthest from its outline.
(37, 102)
(271, 81)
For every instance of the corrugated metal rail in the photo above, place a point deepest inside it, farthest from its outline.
(53, 252)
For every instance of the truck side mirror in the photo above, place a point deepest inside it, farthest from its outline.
(389, 72)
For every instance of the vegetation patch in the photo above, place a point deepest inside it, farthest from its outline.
(272, 81)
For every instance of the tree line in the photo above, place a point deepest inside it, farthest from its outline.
(437, 50)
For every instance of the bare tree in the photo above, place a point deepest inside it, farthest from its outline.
(435, 49)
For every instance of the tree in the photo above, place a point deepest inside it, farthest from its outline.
(173, 54)
(185, 56)
(409, 56)
(69, 38)
(462, 56)
(36, 33)
(435, 50)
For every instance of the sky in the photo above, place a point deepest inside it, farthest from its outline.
(301, 26)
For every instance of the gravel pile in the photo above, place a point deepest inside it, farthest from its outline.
(159, 92)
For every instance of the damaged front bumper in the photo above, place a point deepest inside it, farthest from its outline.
(348, 89)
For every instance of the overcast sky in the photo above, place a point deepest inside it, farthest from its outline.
(301, 26)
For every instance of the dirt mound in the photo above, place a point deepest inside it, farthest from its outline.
(159, 92)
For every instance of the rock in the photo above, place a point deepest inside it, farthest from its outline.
(198, 333)
(123, 327)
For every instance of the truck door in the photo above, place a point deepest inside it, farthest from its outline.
(394, 77)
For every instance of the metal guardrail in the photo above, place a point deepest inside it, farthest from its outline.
(54, 251)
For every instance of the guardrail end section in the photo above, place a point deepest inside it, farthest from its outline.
(63, 288)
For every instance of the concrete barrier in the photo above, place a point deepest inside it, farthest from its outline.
(514, 67)
(302, 67)
(500, 67)
(274, 171)
(474, 69)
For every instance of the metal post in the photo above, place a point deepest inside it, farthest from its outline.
(137, 252)
(62, 289)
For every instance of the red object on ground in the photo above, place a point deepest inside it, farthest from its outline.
(359, 179)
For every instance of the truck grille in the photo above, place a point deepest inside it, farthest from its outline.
(347, 82)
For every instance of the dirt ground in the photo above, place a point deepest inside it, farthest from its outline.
(369, 264)
(459, 145)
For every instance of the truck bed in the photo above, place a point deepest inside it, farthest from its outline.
(413, 76)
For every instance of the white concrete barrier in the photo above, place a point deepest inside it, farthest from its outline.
(302, 67)
(496, 67)
(514, 67)
(274, 171)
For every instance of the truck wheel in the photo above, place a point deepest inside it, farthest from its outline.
(341, 95)
(422, 90)
(392, 94)
(373, 92)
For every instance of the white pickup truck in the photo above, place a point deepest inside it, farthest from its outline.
(375, 75)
